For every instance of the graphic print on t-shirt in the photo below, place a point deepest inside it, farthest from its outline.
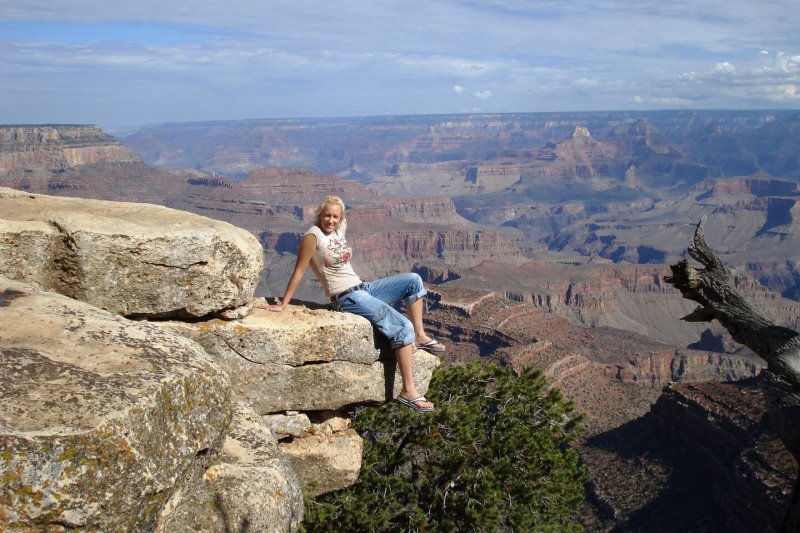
(338, 252)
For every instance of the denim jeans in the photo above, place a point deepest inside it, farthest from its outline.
(375, 301)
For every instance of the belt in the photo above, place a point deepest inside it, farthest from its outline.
(358, 287)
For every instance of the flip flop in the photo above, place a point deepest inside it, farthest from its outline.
(432, 346)
(413, 404)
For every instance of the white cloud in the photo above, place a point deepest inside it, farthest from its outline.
(458, 89)
(787, 63)
(483, 95)
(724, 67)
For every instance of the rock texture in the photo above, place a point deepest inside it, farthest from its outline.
(131, 259)
(303, 359)
(326, 461)
(307, 360)
(749, 468)
(250, 486)
(101, 417)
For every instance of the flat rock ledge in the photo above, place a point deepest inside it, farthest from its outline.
(101, 418)
(137, 260)
(303, 359)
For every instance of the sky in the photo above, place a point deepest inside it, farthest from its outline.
(126, 64)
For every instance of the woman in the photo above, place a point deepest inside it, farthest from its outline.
(325, 248)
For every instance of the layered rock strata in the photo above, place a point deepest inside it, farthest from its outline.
(132, 259)
(610, 374)
(633, 298)
(303, 359)
(40, 150)
(80, 161)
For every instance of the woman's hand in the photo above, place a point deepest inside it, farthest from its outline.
(278, 307)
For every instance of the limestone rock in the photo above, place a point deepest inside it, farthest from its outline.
(131, 259)
(101, 417)
(326, 462)
(288, 425)
(250, 487)
(304, 359)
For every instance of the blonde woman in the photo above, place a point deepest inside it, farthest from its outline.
(326, 249)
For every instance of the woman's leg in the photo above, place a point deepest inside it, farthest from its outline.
(408, 289)
(405, 362)
(415, 313)
(394, 326)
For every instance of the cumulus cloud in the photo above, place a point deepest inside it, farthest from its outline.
(483, 95)
(458, 89)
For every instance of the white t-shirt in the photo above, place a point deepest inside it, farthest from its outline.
(331, 260)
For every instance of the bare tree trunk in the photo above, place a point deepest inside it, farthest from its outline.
(712, 288)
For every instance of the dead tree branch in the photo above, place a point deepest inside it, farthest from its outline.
(712, 288)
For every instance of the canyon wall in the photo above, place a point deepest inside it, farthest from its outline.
(41, 149)
(367, 147)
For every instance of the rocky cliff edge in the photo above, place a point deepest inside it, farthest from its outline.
(192, 423)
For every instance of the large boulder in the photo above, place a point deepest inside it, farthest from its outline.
(304, 359)
(138, 260)
(101, 418)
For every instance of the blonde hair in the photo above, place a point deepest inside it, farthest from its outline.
(333, 200)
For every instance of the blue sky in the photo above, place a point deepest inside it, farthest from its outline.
(128, 63)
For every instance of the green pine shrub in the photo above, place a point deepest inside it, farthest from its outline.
(493, 456)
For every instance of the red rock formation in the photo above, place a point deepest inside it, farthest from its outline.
(36, 151)
(702, 459)
(79, 161)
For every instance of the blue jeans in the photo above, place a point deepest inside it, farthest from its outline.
(375, 301)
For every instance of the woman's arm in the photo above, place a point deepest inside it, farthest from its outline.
(308, 245)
